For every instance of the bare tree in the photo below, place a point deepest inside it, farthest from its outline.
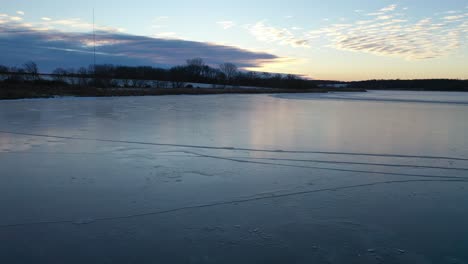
(159, 84)
(31, 69)
(60, 75)
(178, 75)
(195, 67)
(198, 62)
(266, 75)
(16, 74)
(82, 74)
(71, 77)
(3, 69)
(229, 70)
(3, 72)
(139, 83)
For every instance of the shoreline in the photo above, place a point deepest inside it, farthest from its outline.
(33, 93)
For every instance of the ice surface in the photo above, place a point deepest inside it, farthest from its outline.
(375, 177)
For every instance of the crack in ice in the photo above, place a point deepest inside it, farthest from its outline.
(328, 169)
(237, 149)
(229, 202)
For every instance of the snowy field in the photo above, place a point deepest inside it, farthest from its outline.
(378, 177)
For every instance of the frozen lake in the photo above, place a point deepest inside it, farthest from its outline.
(378, 177)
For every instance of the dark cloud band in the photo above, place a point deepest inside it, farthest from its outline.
(52, 49)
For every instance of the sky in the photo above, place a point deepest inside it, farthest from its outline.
(333, 40)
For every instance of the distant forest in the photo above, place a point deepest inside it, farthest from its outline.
(194, 71)
(413, 85)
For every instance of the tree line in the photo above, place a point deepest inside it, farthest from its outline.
(415, 85)
(197, 71)
(193, 71)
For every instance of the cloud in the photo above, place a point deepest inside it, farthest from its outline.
(53, 48)
(21, 13)
(383, 11)
(271, 34)
(454, 17)
(389, 33)
(376, 14)
(384, 17)
(15, 18)
(74, 24)
(226, 24)
(388, 8)
(166, 35)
